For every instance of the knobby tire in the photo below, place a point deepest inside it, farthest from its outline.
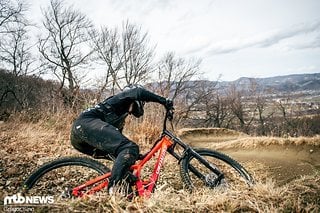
(83, 162)
(217, 158)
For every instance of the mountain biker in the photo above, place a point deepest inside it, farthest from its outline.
(98, 130)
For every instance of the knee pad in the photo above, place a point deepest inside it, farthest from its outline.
(129, 148)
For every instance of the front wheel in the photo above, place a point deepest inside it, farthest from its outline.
(223, 170)
(59, 176)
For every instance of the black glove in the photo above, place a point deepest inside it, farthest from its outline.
(169, 104)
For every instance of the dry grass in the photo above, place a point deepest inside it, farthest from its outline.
(301, 196)
(23, 146)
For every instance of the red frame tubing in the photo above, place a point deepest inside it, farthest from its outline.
(162, 145)
(77, 191)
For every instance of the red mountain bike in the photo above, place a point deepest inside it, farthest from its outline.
(81, 176)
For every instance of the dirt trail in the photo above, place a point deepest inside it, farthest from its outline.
(283, 163)
(282, 160)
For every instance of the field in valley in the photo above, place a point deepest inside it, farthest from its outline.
(286, 170)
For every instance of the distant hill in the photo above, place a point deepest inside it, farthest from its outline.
(287, 83)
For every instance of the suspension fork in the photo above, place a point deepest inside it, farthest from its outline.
(190, 151)
(207, 164)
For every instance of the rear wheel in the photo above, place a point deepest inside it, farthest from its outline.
(58, 177)
(224, 172)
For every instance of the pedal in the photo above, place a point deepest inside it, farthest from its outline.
(66, 193)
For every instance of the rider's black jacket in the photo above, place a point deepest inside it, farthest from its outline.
(97, 131)
(115, 109)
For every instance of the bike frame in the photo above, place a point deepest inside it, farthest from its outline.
(144, 188)
(166, 143)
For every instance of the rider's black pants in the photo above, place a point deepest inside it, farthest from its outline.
(89, 134)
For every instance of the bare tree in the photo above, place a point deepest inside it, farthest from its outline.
(286, 111)
(218, 113)
(262, 118)
(125, 54)
(63, 48)
(176, 80)
(244, 114)
(175, 74)
(208, 105)
(15, 50)
(106, 47)
(259, 101)
(136, 55)
(15, 54)
(11, 11)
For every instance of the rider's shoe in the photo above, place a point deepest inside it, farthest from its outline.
(111, 191)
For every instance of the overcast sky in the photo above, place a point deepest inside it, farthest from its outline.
(234, 38)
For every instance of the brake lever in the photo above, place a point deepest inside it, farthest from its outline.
(170, 117)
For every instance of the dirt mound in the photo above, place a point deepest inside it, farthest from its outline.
(256, 142)
(283, 163)
(282, 159)
(200, 135)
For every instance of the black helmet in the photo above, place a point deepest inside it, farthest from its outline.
(137, 106)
